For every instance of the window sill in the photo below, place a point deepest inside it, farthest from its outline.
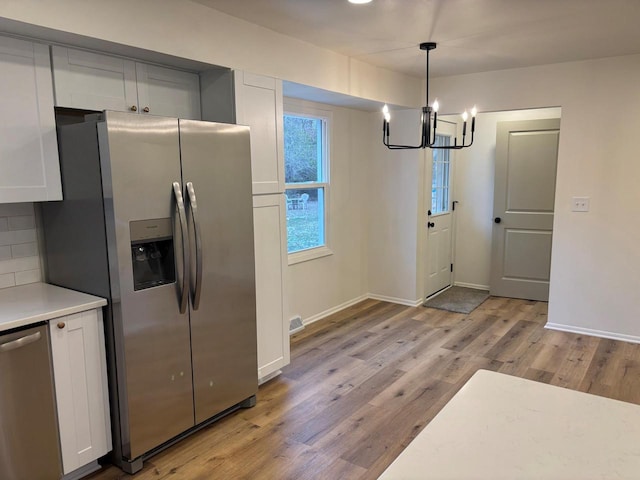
(311, 254)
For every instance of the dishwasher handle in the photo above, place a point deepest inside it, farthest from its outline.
(20, 342)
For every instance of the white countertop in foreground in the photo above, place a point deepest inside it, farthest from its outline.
(37, 302)
(502, 427)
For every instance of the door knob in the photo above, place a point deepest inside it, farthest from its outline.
(430, 224)
(61, 325)
(497, 220)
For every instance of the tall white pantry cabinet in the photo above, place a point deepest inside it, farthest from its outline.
(259, 104)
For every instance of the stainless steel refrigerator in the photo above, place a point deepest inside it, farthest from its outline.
(157, 218)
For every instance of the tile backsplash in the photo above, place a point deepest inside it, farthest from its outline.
(19, 256)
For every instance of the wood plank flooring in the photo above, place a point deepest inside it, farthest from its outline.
(365, 381)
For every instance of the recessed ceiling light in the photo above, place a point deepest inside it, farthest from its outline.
(359, 1)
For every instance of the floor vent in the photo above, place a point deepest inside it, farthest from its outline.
(295, 325)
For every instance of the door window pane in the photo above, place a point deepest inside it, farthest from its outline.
(440, 177)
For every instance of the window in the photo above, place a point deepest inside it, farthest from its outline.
(440, 177)
(307, 185)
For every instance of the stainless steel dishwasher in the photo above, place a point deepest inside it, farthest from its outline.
(29, 443)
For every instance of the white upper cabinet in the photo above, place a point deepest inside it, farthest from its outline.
(29, 167)
(94, 81)
(168, 92)
(259, 105)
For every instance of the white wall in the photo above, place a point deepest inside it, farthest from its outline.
(319, 286)
(189, 30)
(473, 189)
(595, 265)
(394, 202)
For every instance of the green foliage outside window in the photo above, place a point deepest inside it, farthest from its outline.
(301, 149)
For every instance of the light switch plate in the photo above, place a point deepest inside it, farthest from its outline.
(580, 204)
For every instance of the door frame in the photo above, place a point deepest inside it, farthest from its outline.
(425, 205)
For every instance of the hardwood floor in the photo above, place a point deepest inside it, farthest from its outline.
(364, 382)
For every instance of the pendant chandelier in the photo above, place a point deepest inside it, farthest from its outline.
(429, 121)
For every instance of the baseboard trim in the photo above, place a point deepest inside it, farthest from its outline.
(471, 285)
(592, 332)
(82, 472)
(337, 308)
(268, 377)
(400, 301)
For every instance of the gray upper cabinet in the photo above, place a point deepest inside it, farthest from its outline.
(29, 167)
(94, 81)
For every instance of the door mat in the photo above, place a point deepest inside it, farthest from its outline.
(458, 299)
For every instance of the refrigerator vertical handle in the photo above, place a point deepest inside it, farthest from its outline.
(184, 296)
(193, 206)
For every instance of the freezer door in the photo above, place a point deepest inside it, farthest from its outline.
(216, 167)
(140, 161)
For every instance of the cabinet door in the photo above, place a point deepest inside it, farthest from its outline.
(92, 81)
(29, 166)
(79, 367)
(168, 92)
(259, 105)
(269, 223)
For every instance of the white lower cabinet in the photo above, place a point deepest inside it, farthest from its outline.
(80, 378)
(269, 221)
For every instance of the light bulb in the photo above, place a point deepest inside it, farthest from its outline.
(385, 112)
(465, 115)
(474, 111)
(436, 105)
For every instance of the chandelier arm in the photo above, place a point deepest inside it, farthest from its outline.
(390, 146)
(455, 146)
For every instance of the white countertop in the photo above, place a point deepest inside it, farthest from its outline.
(501, 427)
(37, 302)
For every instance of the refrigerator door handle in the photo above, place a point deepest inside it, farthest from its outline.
(184, 295)
(196, 229)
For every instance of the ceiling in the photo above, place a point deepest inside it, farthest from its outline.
(472, 35)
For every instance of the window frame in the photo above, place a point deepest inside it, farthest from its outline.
(307, 111)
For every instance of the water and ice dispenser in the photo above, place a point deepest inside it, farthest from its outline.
(152, 253)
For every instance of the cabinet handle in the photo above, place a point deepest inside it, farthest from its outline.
(133, 108)
(145, 109)
(61, 325)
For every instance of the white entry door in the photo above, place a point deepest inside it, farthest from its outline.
(524, 194)
(438, 218)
